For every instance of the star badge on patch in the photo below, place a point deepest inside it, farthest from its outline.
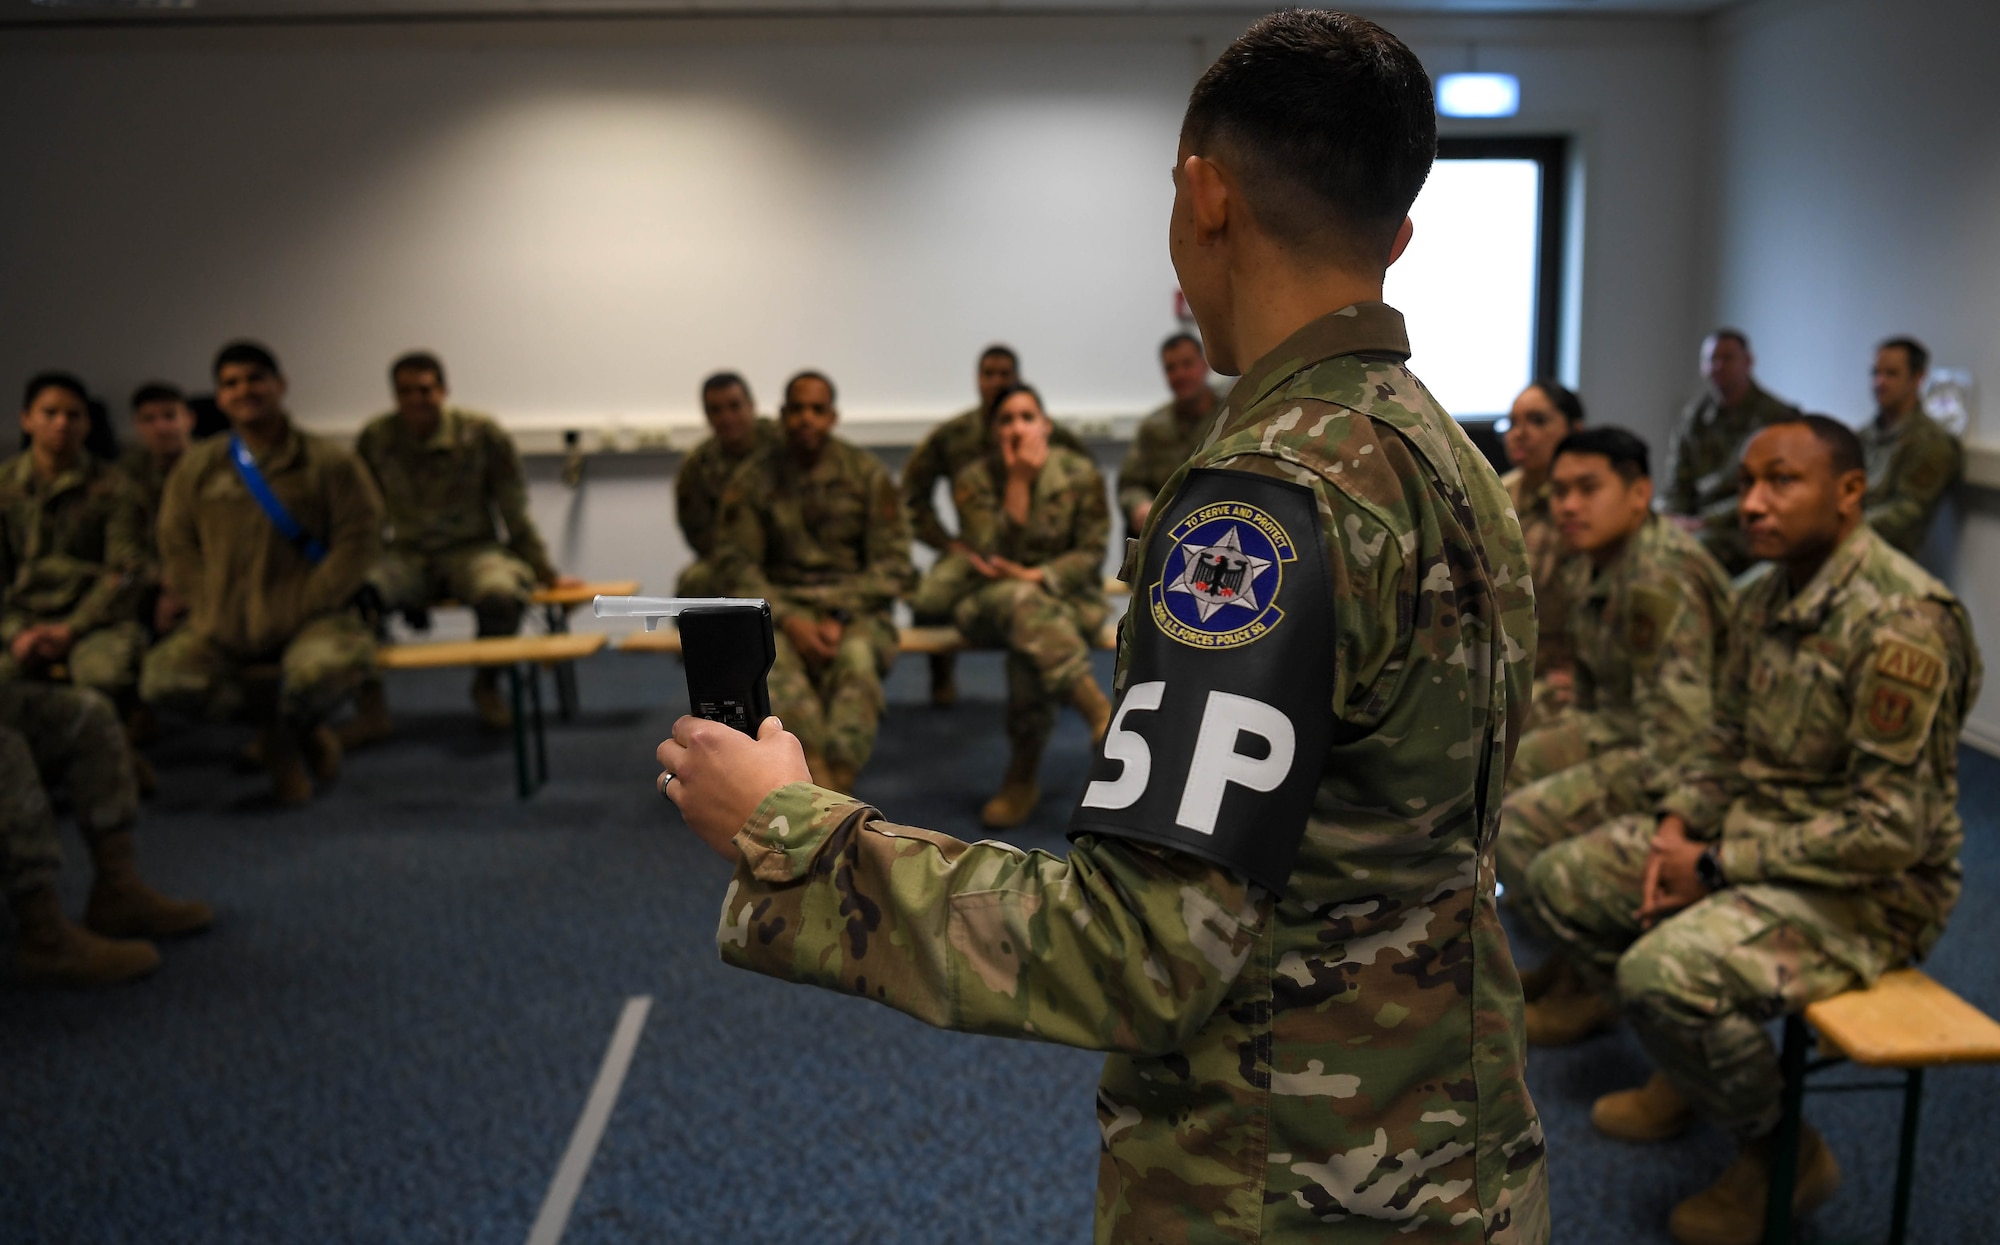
(1220, 575)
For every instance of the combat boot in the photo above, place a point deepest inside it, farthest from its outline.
(1090, 702)
(1731, 1211)
(286, 764)
(944, 680)
(322, 750)
(1019, 791)
(494, 712)
(1655, 1111)
(1552, 974)
(370, 723)
(51, 951)
(1563, 1019)
(123, 906)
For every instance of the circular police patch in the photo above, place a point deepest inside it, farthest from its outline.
(1219, 585)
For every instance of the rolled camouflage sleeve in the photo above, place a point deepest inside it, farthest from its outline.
(507, 483)
(889, 572)
(1080, 571)
(1116, 947)
(353, 544)
(114, 596)
(1710, 774)
(1901, 741)
(742, 543)
(1919, 476)
(920, 477)
(1674, 692)
(694, 506)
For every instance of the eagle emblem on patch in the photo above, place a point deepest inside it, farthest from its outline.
(1220, 583)
(1889, 712)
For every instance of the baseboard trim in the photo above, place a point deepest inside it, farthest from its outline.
(1981, 736)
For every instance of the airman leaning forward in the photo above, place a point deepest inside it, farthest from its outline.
(1809, 841)
(814, 526)
(268, 534)
(72, 551)
(446, 474)
(1277, 911)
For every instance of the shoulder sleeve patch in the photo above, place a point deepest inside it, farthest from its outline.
(1898, 700)
(1217, 741)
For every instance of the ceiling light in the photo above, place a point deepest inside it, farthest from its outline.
(1478, 95)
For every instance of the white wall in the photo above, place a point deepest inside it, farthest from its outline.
(1858, 196)
(585, 217)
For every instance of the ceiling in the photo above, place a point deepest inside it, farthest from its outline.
(21, 12)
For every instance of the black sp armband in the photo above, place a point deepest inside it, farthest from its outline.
(1216, 746)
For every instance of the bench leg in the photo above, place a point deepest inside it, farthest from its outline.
(1906, 1155)
(541, 735)
(522, 785)
(1785, 1163)
(558, 620)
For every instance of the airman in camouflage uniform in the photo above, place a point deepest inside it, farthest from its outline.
(815, 526)
(49, 732)
(72, 550)
(445, 474)
(1823, 802)
(1283, 1064)
(945, 451)
(1701, 472)
(1040, 593)
(165, 428)
(706, 471)
(1649, 625)
(1166, 437)
(1912, 460)
(1541, 416)
(256, 597)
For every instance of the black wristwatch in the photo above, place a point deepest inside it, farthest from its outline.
(1708, 868)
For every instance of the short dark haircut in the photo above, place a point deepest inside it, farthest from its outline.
(1330, 125)
(999, 351)
(1627, 452)
(1180, 338)
(156, 391)
(418, 361)
(832, 394)
(724, 380)
(1842, 445)
(66, 381)
(243, 350)
(1913, 350)
(993, 407)
(1727, 334)
(1563, 398)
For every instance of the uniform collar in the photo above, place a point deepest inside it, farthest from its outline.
(445, 435)
(1360, 328)
(282, 457)
(1809, 606)
(1636, 545)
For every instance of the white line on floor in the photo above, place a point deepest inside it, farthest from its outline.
(575, 1163)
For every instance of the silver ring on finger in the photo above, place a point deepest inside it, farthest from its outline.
(666, 777)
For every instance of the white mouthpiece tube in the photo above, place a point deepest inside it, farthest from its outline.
(653, 609)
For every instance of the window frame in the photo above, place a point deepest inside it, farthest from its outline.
(1550, 153)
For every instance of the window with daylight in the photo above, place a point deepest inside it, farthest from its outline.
(1481, 284)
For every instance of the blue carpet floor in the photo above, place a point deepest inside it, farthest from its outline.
(392, 1029)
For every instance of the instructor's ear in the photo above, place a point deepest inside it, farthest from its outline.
(1404, 233)
(1208, 198)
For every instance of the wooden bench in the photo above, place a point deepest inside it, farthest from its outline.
(1904, 1021)
(909, 640)
(523, 657)
(556, 604)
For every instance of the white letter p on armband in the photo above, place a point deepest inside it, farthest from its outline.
(1217, 763)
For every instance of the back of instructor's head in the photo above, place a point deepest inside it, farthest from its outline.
(1328, 123)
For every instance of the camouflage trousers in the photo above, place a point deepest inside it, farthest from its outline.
(950, 580)
(1558, 788)
(317, 669)
(834, 706)
(702, 578)
(1047, 649)
(49, 734)
(105, 660)
(494, 582)
(1700, 986)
